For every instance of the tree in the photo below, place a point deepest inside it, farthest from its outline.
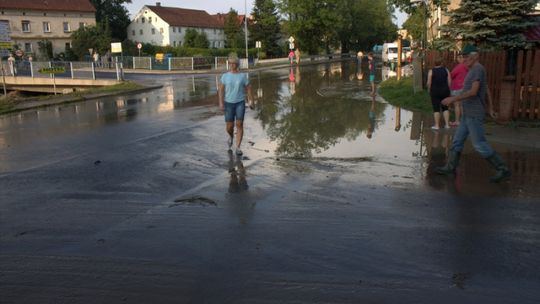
(201, 41)
(408, 5)
(190, 37)
(491, 24)
(307, 23)
(45, 50)
(415, 23)
(368, 22)
(113, 12)
(345, 24)
(96, 37)
(234, 34)
(194, 39)
(266, 27)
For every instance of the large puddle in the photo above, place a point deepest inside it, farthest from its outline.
(318, 113)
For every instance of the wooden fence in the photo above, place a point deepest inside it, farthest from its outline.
(513, 80)
(527, 89)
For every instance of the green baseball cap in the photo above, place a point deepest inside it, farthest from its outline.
(469, 48)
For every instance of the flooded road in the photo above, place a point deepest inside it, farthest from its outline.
(135, 199)
(321, 112)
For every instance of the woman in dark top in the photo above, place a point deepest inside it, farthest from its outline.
(438, 83)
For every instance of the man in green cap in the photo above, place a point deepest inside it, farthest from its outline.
(473, 98)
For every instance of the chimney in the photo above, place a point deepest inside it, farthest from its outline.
(158, 3)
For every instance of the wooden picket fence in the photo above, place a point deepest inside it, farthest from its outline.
(514, 83)
(527, 89)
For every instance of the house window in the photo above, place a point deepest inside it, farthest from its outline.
(46, 27)
(142, 20)
(81, 25)
(67, 28)
(214, 31)
(174, 43)
(153, 31)
(68, 46)
(133, 32)
(28, 47)
(179, 29)
(25, 26)
(140, 32)
(161, 30)
(149, 19)
(174, 29)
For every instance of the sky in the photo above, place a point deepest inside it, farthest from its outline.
(213, 6)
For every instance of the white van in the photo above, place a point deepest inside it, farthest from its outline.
(390, 52)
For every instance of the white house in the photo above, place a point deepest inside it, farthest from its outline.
(160, 25)
(31, 21)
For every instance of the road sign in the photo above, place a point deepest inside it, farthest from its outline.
(258, 44)
(291, 39)
(53, 70)
(116, 47)
(291, 45)
(5, 44)
(139, 45)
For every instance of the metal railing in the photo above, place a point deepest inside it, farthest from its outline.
(88, 69)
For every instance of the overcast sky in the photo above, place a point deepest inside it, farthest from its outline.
(212, 6)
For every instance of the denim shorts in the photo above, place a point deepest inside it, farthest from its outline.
(235, 111)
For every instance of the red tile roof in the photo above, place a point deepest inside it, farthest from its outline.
(49, 5)
(185, 17)
(221, 18)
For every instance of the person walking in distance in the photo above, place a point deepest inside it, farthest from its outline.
(438, 83)
(11, 64)
(291, 57)
(473, 100)
(233, 88)
(458, 76)
(371, 66)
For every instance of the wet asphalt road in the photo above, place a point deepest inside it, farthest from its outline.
(134, 199)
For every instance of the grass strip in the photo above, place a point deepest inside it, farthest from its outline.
(400, 93)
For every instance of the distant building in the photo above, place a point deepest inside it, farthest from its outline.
(159, 25)
(31, 21)
(439, 18)
(221, 19)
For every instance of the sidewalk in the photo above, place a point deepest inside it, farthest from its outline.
(518, 136)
